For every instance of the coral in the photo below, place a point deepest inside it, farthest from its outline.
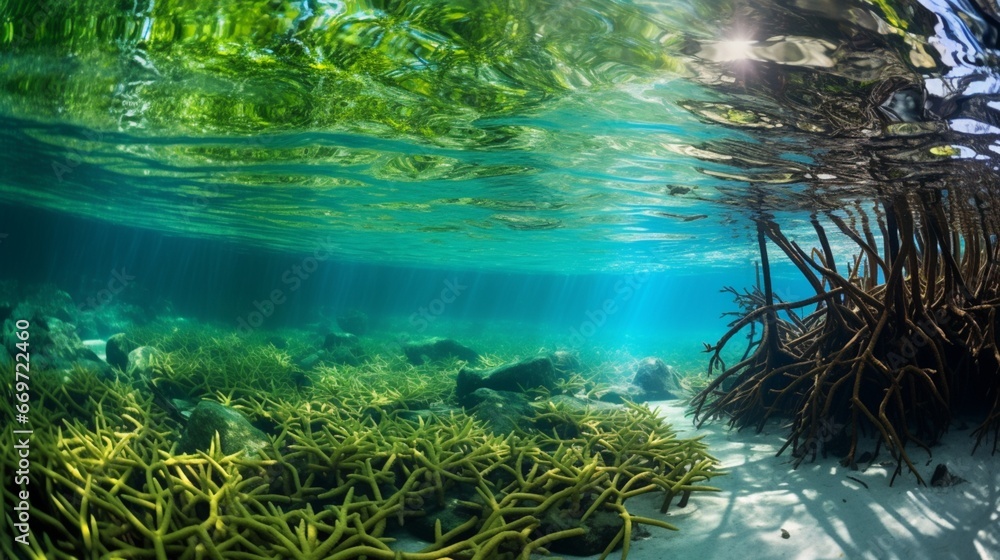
(331, 481)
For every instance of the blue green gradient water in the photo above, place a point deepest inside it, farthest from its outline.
(542, 152)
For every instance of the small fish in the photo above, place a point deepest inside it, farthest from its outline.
(677, 190)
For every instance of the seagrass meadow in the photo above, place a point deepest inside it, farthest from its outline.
(347, 463)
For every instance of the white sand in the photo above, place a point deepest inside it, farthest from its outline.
(826, 514)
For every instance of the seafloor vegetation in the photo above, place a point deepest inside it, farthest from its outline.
(338, 458)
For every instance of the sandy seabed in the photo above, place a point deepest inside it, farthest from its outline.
(826, 514)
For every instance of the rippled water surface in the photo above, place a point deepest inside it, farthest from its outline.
(552, 135)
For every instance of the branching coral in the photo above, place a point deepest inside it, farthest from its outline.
(335, 481)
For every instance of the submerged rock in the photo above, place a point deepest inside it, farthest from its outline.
(438, 349)
(452, 515)
(516, 377)
(145, 365)
(943, 477)
(337, 340)
(578, 404)
(621, 392)
(235, 431)
(565, 362)
(565, 425)
(599, 530)
(54, 345)
(502, 411)
(338, 348)
(354, 322)
(117, 350)
(657, 379)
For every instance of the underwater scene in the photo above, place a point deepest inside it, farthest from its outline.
(499, 279)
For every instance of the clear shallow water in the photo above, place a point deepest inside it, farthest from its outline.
(552, 136)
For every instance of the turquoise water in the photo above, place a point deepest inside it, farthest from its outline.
(587, 137)
(546, 151)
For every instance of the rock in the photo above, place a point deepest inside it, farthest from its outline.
(621, 392)
(54, 345)
(46, 301)
(309, 361)
(278, 342)
(657, 379)
(145, 366)
(599, 530)
(517, 377)
(452, 515)
(574, 406)
(943, 477)
(336, 340)
(438, 349)
(577, 404)
(235, 431)
(354, 322)
(345, 355)
(502, 411)
(565, 362)
(117, 350)
(342, 354)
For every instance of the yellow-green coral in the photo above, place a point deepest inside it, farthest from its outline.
(334, 480)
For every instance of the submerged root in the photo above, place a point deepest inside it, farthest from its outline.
(895, 358)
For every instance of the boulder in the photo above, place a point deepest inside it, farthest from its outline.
(600, 529)
(452, 515)
(438, 349)
(354, 322)
(145, 366)
(517, 377)
(117, 350)
(574, 407)
(344, 354)
(337, 340)
(54, 345)
(235, 431)
(577, 404)
(657, 379)
(502, 411)
(565, 362)
(621, 392)
(277, 341)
